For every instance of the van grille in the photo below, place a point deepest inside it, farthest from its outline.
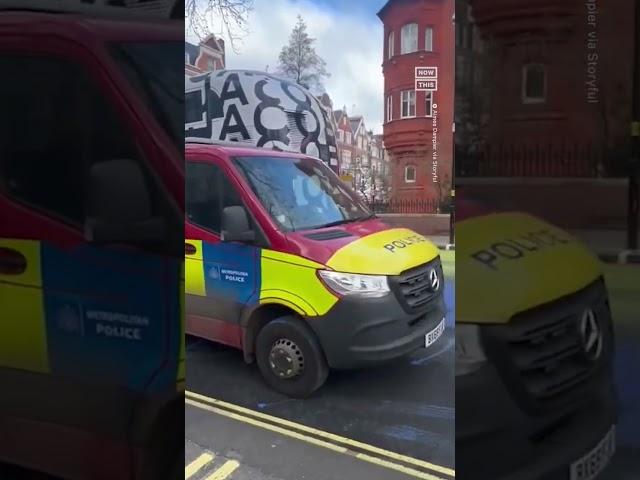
(541, 353)
(413, 287)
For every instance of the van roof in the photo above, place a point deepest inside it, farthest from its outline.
(118, 24)
(97, 8)
(237, 149)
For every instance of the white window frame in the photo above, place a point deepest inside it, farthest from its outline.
(406, 172)
(391, 45)
(525, 71)
(409, 43)
(428, 101)
(428, 38)
(348, 137)
(410, 95)
(389, 108)
(340, 135)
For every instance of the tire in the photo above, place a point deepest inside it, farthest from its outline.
(294, 335)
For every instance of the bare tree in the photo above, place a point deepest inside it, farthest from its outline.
(299, 60)
(227, 18)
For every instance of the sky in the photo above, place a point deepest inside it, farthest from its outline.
(348, 37)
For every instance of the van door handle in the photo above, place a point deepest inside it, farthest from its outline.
(12, 262)
(190, 249)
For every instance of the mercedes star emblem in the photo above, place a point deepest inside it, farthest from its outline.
(434, 279)
(591, 335)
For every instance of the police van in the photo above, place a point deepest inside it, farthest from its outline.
(534, 350)
(283, 260)
(91, 219)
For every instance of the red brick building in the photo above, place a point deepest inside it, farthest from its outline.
(554, 84)
(207, 56)
(418, 126)
(345, 142)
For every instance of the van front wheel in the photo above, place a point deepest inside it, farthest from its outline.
(290, 357)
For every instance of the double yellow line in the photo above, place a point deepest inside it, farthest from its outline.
(412, 467)
(221, 473)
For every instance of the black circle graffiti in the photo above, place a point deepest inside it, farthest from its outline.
(302, 108)
(267, 134)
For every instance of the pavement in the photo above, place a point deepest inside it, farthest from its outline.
(609, 244)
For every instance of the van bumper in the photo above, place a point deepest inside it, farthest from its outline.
(359, 332)
(496, 439)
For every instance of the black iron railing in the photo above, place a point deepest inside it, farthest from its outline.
(550, 160)
(409, 206)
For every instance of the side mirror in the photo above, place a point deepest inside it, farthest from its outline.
(235, 225)
(119, 206)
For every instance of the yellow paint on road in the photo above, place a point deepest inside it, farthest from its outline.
(399, 468)
(321, 438)
(191, 469)
(224, 471)
(266, 426)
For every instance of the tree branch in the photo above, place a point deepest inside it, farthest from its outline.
(226, 18)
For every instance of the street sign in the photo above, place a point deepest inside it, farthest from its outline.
(426, 79)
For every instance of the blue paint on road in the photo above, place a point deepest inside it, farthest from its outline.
(441, 346)
(628, 386)
(450, 302)
(409, 408)
(411, 434)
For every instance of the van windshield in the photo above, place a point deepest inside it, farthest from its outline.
(301, 194)
(150, 67)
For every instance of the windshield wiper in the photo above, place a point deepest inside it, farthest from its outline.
(346, 220)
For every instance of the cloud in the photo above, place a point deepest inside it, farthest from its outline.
(349, 41)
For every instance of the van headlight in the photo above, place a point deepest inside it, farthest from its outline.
(355, 284)
(469, 352)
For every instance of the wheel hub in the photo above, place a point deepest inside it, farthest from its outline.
(286, 359)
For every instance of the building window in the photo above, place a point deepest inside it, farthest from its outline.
(534, 83)
(391, 47)
(428, 39)
(409, 38)
(389, 108)
(210, 64)
(341, 135)
(428, 104)
(408, 104)
(348, 134)
(410, 174)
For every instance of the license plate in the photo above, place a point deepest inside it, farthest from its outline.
(434, 334)
(589, 466)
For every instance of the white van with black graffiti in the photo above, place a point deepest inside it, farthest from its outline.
(258, 109)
